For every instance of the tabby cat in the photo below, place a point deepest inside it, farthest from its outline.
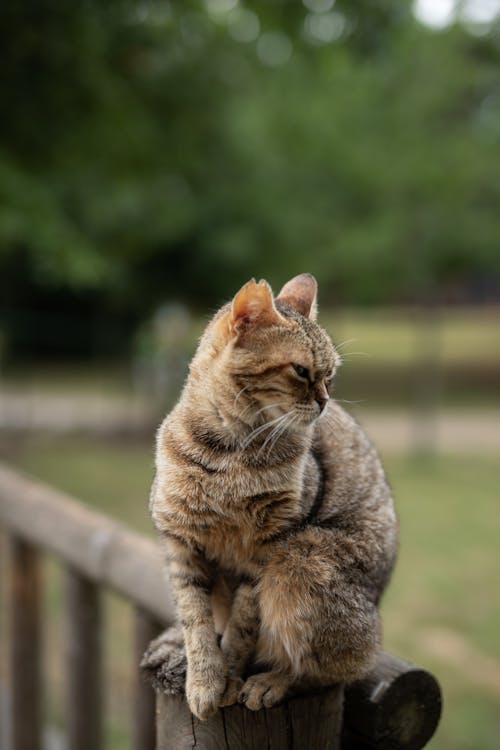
(273, 507)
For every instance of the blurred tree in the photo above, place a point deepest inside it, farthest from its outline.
(152, 149)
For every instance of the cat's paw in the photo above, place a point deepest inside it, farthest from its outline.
(264, 690)
(205, 688)
(232, 691)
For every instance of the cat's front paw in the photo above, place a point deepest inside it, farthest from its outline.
(232, 691)
(205, 688)
(264, 690)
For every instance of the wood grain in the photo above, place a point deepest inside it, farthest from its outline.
(311, 721)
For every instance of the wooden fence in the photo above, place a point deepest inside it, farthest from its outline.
(98, 552)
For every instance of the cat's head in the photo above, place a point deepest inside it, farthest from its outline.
(263, 358)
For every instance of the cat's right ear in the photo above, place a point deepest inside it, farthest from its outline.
(253, 305)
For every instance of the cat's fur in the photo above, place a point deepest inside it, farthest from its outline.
(279, 531)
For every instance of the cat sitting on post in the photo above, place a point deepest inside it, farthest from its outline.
(274, 511)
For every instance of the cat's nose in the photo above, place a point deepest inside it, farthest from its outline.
(321, 395)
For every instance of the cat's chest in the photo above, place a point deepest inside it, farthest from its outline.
(247, 523)
(232, 515)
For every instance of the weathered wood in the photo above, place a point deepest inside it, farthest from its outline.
(144, 725)
(303, 722)
(24, 651)
(102, 549)
(396, 707)
(83, 663)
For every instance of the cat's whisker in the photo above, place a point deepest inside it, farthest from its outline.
(268, 406)
(247, 408)
(347, 401)
(281, 430)
(339, 347)
(260, 429)
(276, 427)
(240, 393)
(250, 406)
(277, 430)
(355, 354)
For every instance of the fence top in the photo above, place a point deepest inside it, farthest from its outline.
(98, 547)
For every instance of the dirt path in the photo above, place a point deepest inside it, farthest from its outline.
(454, 431)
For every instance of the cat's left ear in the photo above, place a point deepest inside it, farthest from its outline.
(301, 292)
(253, 305)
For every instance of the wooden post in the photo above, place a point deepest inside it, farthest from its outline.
(144, 728)
(396, 707)
(311, 722)
(83, 663)
(24, 652)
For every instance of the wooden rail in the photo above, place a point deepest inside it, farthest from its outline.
(97, 552)
(396, 708)
(103, 550)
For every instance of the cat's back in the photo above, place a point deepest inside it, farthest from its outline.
(353, 476)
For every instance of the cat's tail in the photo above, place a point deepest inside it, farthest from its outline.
(164, 662)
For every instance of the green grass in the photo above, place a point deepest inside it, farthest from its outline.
(441, 611)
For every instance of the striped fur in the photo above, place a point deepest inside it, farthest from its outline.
(276, 518)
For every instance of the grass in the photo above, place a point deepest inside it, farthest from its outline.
(441, 609)
(396, 336)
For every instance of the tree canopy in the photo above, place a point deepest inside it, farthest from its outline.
(154, 149)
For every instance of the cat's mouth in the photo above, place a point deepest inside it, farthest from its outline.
(307, 413)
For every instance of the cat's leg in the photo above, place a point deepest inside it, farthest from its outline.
(239, 644)
(239, 639)
(319, 623)
(191, 581)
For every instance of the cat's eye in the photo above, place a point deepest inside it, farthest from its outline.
(301, 371)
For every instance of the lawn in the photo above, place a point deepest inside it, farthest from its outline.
(396, 335)
(442, 609)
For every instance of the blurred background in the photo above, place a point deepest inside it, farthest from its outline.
(156, 155)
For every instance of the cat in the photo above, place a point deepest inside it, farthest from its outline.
(274, 511)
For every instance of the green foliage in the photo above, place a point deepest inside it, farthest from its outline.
(155, 149)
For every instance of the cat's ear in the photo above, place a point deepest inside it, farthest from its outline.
(301, 293)
(253, 304)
